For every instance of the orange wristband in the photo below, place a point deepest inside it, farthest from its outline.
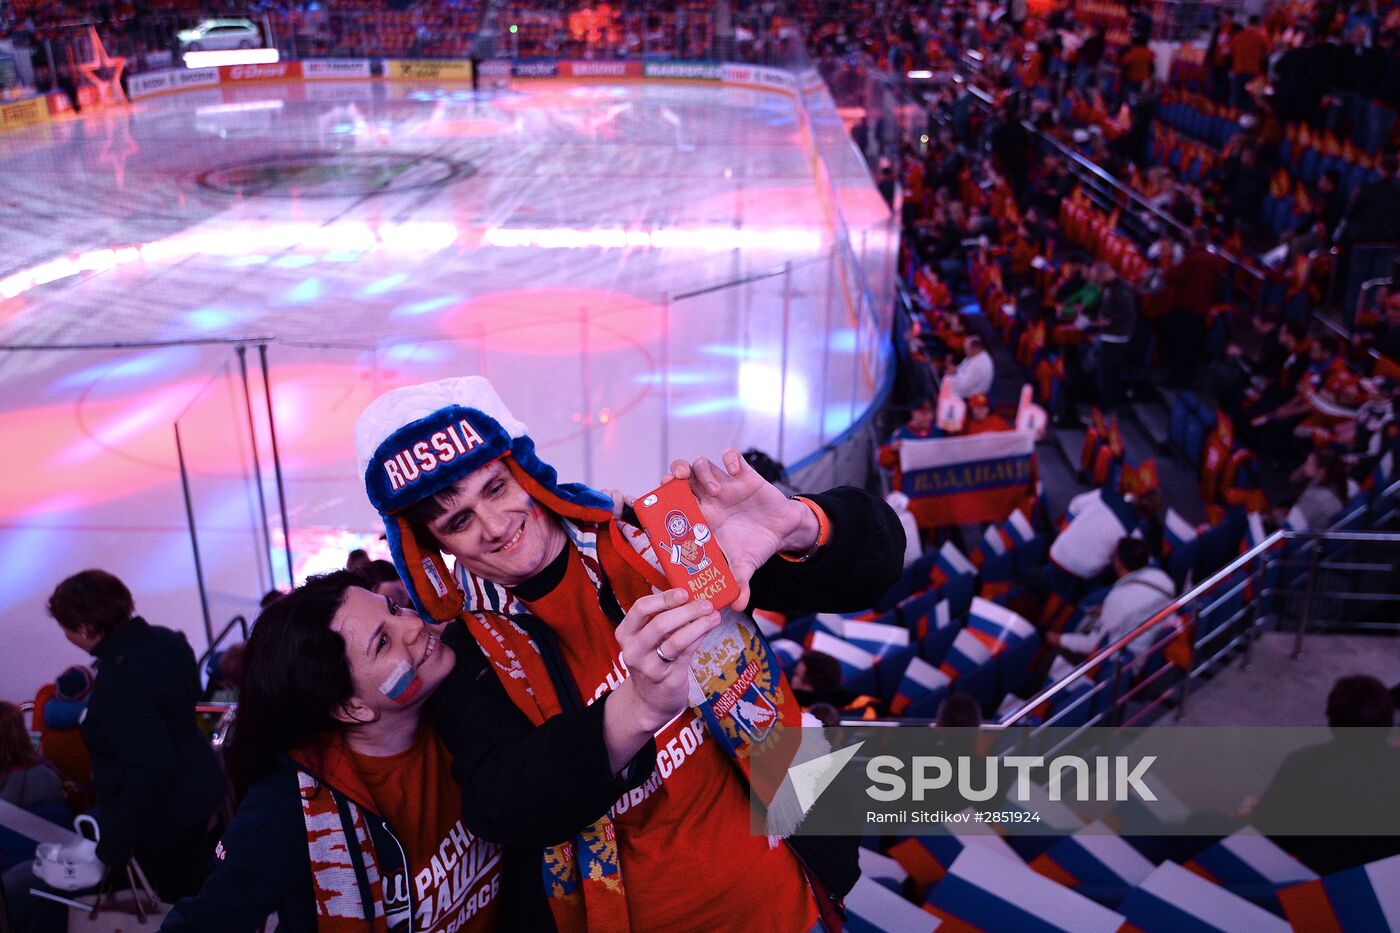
(823, 533)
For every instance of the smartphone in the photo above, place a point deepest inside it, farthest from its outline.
(690, 556)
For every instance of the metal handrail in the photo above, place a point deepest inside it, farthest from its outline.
(1175, 607)
(226, 713)
(238, 620)
(1213, 582)
(1122, 191)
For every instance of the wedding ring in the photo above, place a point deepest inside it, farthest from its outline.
(662, 655)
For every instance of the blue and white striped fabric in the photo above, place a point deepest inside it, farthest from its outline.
(927, 856)
(1096, 863)
(873, 908)
(768, 626)
(950, 565)
(992, 892)
(1054, 814)
(854, 661)
(968, 653)
(1001, 537)
(920, 679)
(1358, 900)
(924, 613)
(788, 651)
(997, 626)
(828, 622)
(1177, 531)
(881, 868)
(1250, 865)
(1174, 900)
(877, 638)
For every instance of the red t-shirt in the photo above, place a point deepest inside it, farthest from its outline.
(1249, 50)
(689, 861)
(455, 876)
(1137, 64)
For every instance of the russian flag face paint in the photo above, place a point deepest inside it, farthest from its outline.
(403, 684)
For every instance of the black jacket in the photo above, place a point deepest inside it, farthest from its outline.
(1342, 795)
(153, 771)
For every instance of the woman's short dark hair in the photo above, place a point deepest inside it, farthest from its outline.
(92, 598)
(295, 676)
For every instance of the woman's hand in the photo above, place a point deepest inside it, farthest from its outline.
(750, 516)
(658, 636)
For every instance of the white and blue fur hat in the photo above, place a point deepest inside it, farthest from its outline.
(412, 443)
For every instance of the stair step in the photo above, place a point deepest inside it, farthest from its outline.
(1070, 442)
(1155, 421)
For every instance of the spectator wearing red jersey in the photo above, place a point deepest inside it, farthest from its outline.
(1193, 283)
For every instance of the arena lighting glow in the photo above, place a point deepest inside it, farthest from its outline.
(214, 59)
(321, 551)
(919, 75)
(245, 107)
(761, 390)
(705, 239)
(514, 29)
(416, 237)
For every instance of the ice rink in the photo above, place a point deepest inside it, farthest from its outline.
(646, 271)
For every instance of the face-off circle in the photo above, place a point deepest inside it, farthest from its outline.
(334, 174)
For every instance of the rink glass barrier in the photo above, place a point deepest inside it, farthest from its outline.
(863, 248)
(229, 474)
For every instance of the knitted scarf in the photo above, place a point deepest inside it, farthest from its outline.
(345, 873)
(737, 685)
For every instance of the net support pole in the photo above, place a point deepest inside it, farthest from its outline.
(257, 463)
(665, 432)
(194, 537)
(277, 464)
(783, 366)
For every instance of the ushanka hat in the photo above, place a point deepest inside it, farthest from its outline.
(414, 442)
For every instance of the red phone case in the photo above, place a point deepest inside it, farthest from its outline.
(685, 544)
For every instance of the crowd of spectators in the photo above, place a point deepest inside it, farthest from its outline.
(1096, 308)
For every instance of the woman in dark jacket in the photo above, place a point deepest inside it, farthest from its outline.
(156, 779)
(349, 812)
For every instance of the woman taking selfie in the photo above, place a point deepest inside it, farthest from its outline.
(350, 817)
